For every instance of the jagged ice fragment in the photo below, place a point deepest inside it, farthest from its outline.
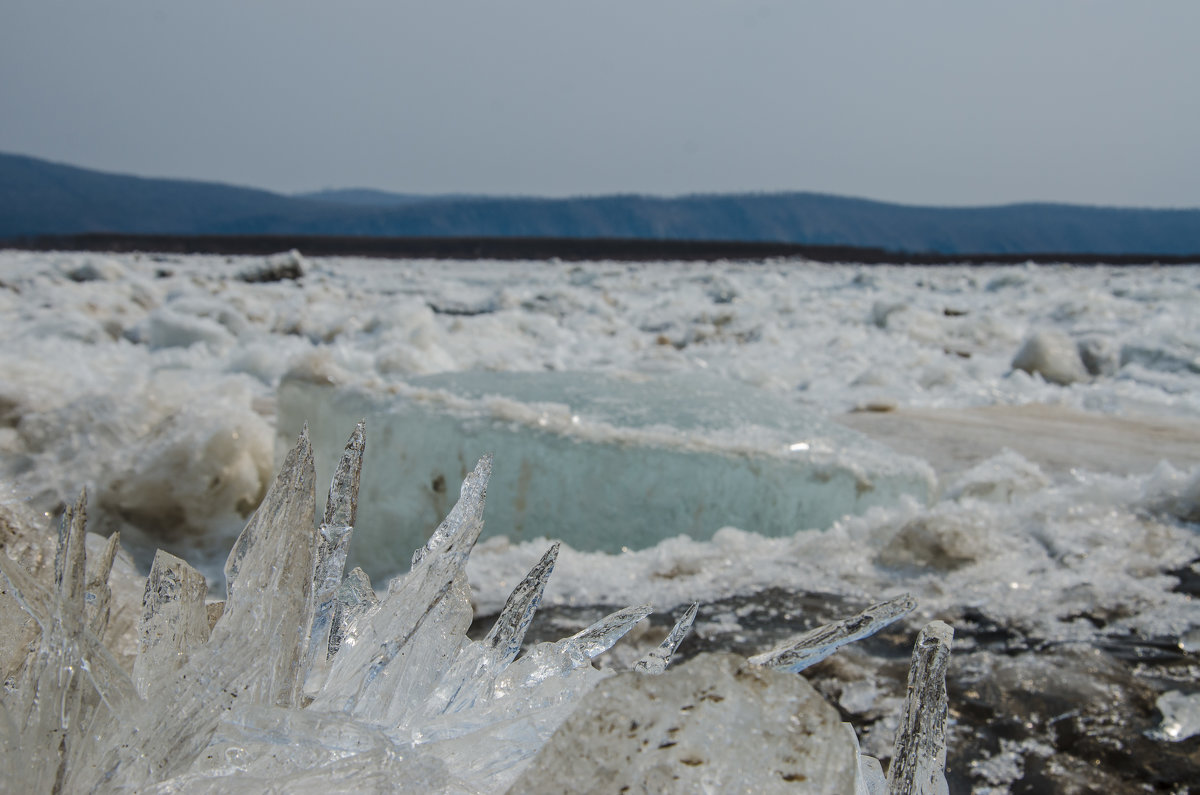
(919, 759)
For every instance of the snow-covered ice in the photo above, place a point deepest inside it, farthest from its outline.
(1059, 538)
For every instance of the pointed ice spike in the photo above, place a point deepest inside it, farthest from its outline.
(268, 605)
(919, 760)
(99, 595)
(817, 644)
(510, 627)
(420, 623)
(341, 508)
(600, 637)
(333, 544)
(551, 661)
(657, 660)
(476, 667)
(465, 519)
(70, 569)
(54, 698)
(253, 656)
(174, 619)
(354, 598)
(105, 563)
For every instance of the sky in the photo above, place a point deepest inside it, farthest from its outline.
(940, 103)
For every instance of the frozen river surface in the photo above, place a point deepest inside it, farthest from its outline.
(1051, 518)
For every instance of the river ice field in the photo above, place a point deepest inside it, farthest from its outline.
(1051, 517)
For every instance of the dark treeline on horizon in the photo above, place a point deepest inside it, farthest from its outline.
(544, 248)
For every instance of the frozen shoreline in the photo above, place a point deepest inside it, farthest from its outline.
(1055, 438)
(1067, 561)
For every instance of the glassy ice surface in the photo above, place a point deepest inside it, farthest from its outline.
(603, 462)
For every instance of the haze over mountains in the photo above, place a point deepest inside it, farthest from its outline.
(42, 198)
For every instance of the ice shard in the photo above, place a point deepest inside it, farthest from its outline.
(333, 544)
(46, 718)
(658, 658)
(817, 644)
(919, 760)
(416, 630)
(274, 558)
(509, 630)
(98, 595)
(174, 619)
(678, 454)
(302, 683)
(355, 598)
(474, 672)
(253, 656)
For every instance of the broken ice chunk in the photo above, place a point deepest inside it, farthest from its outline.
(817, 644)
(869, 778)
(715, 724)
(174, 619)
(919, 760)
(657, 659)
(1181, 716)
(675, 454)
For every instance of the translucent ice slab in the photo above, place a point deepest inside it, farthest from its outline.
(600, 461)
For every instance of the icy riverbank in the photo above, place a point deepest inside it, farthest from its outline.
(1068, 565)
(302, 681)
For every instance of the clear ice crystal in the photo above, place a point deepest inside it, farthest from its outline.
(332, 546)
(919, 760)
(817, 644)
(174, 619)
(472, 675)
(98, 595)
(658, 658)
(305, 681)
(274, 558)
(354, 599)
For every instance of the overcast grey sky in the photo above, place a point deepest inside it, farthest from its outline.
(949, 102)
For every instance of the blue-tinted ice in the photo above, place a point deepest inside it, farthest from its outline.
(601, 461)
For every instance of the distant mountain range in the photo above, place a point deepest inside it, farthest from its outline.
(41, 198)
